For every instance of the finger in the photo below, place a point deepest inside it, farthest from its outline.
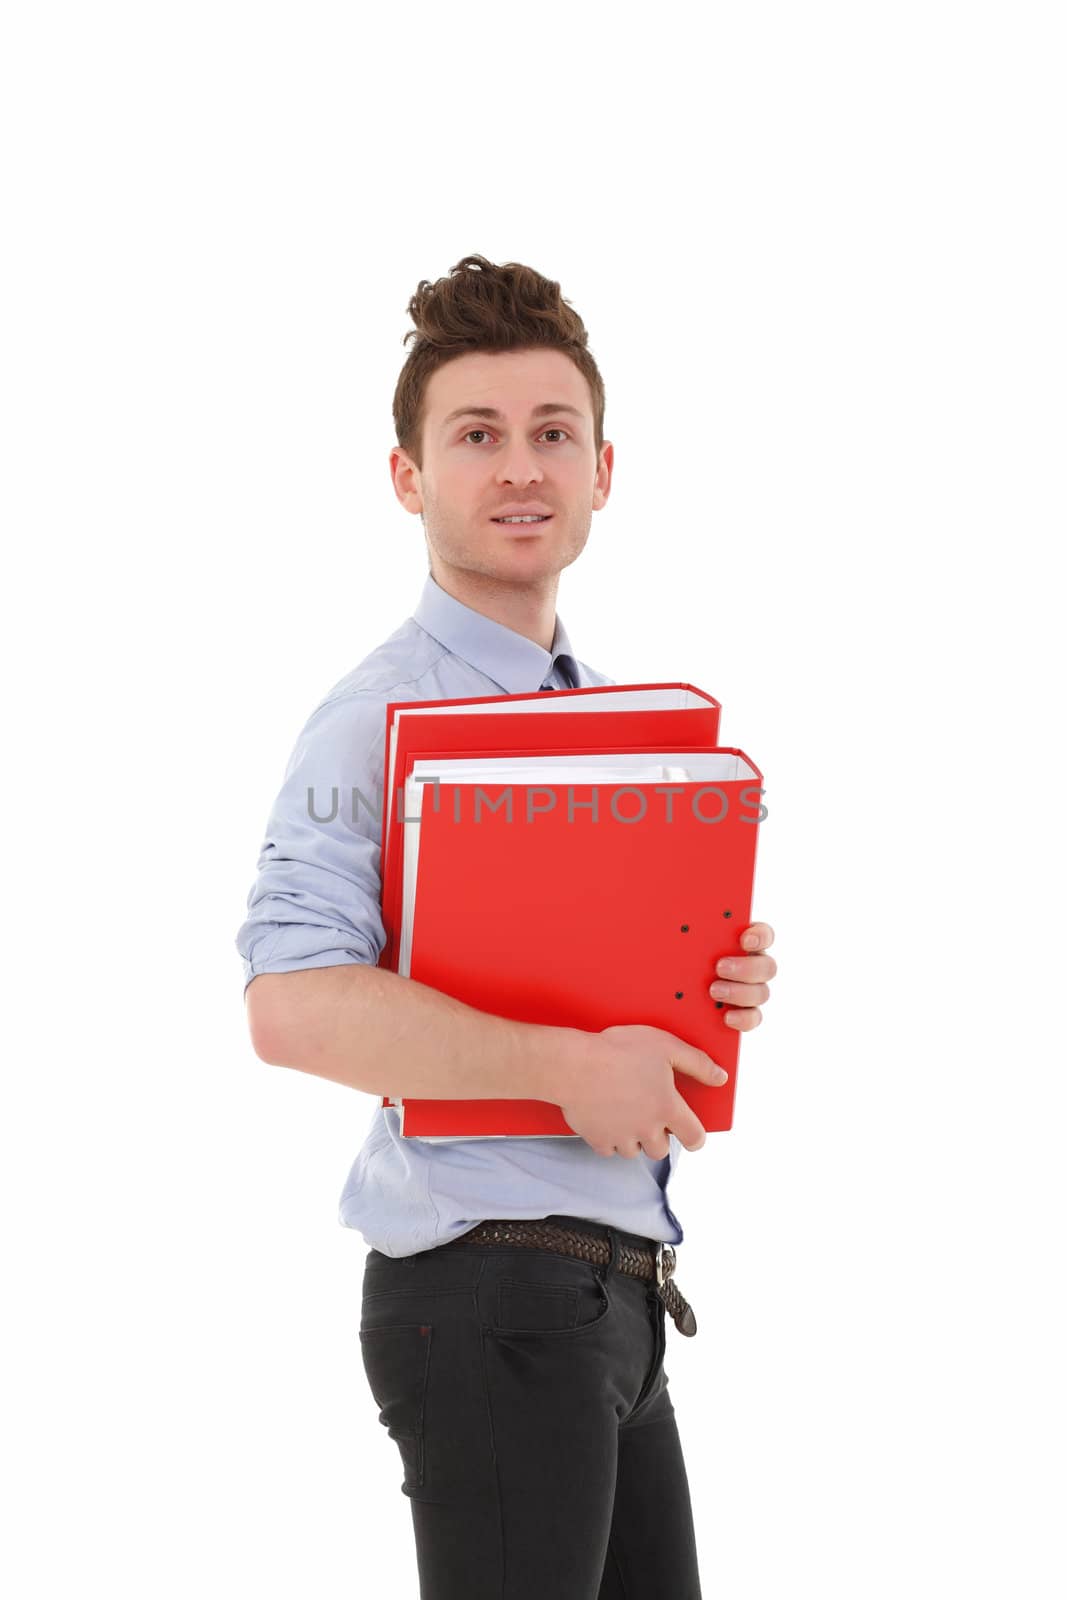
(687, 1126)
(657, 1147)
(750, 969)
(757, 936)
(687, 1058)
(740, 994)
(743, 1021)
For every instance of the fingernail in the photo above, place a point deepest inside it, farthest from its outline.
(750, 940)
(726, 966)
(720, 991)
(721, 1075)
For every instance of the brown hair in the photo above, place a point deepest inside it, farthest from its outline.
(480, 306)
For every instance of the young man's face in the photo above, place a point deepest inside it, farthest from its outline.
(536, 451)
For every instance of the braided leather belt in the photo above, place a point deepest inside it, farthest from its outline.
(652, 1265)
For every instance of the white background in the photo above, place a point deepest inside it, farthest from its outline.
(820, 253)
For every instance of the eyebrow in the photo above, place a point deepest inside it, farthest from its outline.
(492, 415)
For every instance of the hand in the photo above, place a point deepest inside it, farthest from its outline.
(741, 981)
(625, 1098)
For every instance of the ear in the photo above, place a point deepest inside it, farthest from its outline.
(407, 479)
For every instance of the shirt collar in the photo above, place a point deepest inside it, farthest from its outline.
(516, 663)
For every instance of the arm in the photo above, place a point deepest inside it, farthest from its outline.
(373, 1030)
(385, 1034)
(316, 999)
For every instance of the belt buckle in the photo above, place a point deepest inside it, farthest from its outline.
(665, 1261)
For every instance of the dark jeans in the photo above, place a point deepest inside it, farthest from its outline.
(525, 1391)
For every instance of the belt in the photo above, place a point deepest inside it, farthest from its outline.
(652, 1265)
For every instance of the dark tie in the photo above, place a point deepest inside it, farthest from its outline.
(562, 665)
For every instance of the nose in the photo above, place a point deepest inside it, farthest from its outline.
(519, 464)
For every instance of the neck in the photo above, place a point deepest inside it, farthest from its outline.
(529, 609)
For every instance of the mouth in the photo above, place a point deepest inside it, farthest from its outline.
(523, 524)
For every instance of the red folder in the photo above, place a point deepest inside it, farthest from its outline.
(411, 756)
(684, 717)
(572, 922)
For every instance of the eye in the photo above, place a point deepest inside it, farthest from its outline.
(484, 432)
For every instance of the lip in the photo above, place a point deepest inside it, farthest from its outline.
(522, 530)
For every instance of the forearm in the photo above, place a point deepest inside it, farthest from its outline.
(384, 1034)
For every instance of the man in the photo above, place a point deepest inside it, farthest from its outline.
(513, 1327)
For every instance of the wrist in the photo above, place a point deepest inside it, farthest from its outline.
(560, 1058)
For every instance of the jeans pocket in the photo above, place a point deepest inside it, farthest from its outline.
(396, 1360)
(558, 1302)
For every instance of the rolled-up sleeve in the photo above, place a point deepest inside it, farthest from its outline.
(316, 901)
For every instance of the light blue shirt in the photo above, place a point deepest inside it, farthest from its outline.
(316, 902)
